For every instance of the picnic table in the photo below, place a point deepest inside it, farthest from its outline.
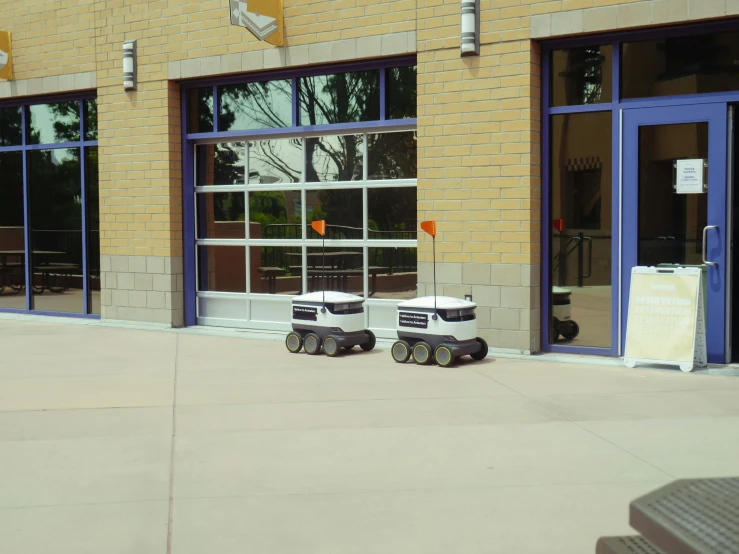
(50, 271)
(688, 516)
(336, 270)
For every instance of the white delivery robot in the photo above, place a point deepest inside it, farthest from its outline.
(329, 320)
(437, 328)
(562, 321)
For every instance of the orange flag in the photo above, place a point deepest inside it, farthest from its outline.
(429, 227)
(319, 227)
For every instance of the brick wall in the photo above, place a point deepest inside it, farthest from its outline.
(479, 120)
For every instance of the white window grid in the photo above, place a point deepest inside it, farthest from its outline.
(303, 187)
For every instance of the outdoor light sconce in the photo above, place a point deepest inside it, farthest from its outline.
(129, 65)
(470, 35)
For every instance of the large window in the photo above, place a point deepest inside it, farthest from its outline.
(337, 146)
(580, 228)
(49, 232)
(279, 187)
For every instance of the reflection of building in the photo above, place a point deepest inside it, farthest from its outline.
(549, 160)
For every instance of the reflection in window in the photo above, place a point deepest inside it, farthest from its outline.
(582, 75)
(275, 161)
(581, 229)
(91, 119)
(334, 159)
(52, 123)
(12, 239)
(56, 229)
(392, 213)
(342, 210)
(401, 92)
(694, 64)
(340, 269)
(392, 156)
(221, 164)
(339, 98)
(265, 105)
(93, 227)
(221, 215)
(221, 268)
(275, 215)
(200, 110)
(393, 273)
(276, 269)
(10, 127)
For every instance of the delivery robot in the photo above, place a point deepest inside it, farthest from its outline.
(437, 328)
(562, 322)
(328, 321)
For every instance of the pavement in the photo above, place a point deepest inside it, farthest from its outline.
(131, 441)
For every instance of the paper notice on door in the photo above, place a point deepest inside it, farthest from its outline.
(689, 177)
(665, 320)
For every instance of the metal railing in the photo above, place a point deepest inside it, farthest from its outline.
(575, 244)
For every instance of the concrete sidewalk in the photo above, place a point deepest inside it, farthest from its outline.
(138, 442)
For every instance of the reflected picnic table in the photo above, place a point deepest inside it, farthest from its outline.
(9, 269)
(336, 269)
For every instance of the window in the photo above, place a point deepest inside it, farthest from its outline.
(57, 228)
(672, 66)
(339, 146)
(339, 98)
(271, 200)
(582, 75)
(581, 233)
(264, 105)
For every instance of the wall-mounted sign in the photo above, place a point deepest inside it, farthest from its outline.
(666, 322)
(689, 176)
(264, 18)
(6, 60)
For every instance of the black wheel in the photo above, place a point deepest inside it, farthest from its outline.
(422, 353)
(569, 329)
(401, 351)
(370, 344)
(483, 352)
(294, 342)
(312, 344)
(331, 346)
(444, 356)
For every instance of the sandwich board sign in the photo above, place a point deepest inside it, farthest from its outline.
(666, 319)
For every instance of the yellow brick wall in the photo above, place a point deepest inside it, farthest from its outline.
(479, 120)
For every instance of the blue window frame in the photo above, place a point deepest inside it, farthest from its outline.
(320, 137)
(604, 51)
(49, 227)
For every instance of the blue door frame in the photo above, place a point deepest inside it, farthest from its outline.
(715, 114)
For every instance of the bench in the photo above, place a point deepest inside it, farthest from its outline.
(271, 274)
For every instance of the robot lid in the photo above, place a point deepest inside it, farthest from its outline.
(329, 296)
(442, 303)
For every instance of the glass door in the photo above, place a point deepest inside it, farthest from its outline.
(674, 202)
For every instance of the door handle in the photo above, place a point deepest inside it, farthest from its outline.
(705, 240)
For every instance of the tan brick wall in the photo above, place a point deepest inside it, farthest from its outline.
(64, 45)
(479, 120)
